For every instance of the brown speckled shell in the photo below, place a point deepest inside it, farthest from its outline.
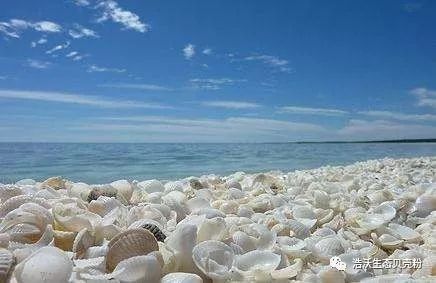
(157, 233)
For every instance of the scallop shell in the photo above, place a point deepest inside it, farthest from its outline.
(257, 264)
(212, 229)
(214, 259)
(154, 229)
(123, 188)
(246, 242)
(386, 241)
(137, 269)
(128, 244)
(48, 264)
(328, 247)
(82, 242)
(56, 183)
(289, 271)
(6, 263)
(181, 277)
(17, 201)
(64, 239)
(404, 232)
(298, 229)
(9, 191)
(424, 205)
(386, 211)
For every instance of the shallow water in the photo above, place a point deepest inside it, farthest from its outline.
(103, 163)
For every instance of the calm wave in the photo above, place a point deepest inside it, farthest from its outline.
(102, 163)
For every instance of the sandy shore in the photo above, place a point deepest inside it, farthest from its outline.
(371, 221)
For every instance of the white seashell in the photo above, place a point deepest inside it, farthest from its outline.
(181, 277)
(182, 241)
(299, 230)
(386, 241)
(212, 229)
(214, 259)
(72, 218)
(197, 203)
(293, 247)
(245, 211)
(130, 243)
(6, 263)
(82, 242)
(9, 191)
(48, 264)
(173, 186)
(321, 199)
(424, 205)
(256, 264)
(80, 190)
(370, 221)
(123, 188)
(170, 262)
(289, 271)
(97, 251)
(328, 247)
(150, 186)
(331, 275)
(265, 239)
(246, 242)
(386, 211)
(138, 269)
(388, 278)
(403, 232)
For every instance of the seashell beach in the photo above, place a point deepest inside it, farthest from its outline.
(371, 221)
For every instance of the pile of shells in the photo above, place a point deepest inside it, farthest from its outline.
(267, 227)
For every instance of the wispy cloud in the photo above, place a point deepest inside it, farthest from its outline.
(274, 62)
(150, 87)
(3, 77)
(426, 97)
(14, 27)
(75, 56)
(95, 68)
(38, 64)
(189, 51)
(61, 97)
(382, 129)
(312, 111)
(233, 129)
(40, 41)
(82, 3)
(80, 31)
(112, 11)
(213, 84)
(231, 104)
(399, 116)
(207, 51)
(58, 47)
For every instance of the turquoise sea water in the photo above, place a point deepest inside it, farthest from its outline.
(102, 163)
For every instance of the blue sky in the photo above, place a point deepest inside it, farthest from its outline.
(217, 71)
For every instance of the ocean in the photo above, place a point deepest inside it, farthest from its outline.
(102, 163)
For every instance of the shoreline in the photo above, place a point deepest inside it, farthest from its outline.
(304, 225)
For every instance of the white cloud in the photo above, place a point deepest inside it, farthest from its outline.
(72, 54)
(3, 77)
(38, 64)
(231, 104)
(40, 41)
(95, 68)
(399, 116)
(426, 97)
(77, 99)
(207, 51)
(79, 57)
(381, 129)
(111, 11)
(82, 3)
(150, 87)
(213, 84)
(311, 111)
(233, 129)
(58, 47)
(189, 51)
(272, 61)
(14, 27)
(79, 31)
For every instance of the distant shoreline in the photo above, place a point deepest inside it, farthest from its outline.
(290, 142)
(376, 141)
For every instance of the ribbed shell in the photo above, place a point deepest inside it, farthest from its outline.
(6, 262)
(101, 191)
(157, 233)
(133, 242)
(17, 201)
